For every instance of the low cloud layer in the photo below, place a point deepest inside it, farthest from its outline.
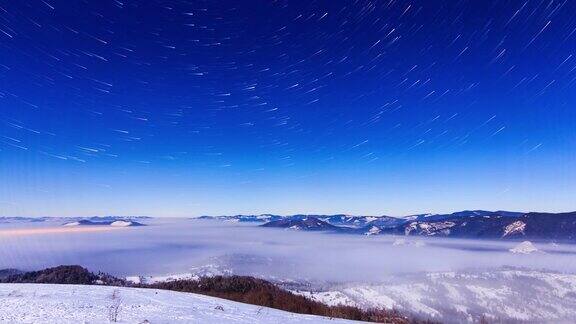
(170, 246)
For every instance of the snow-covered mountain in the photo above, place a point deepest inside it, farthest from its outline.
(244, 218)
(497, 225)
(307, 223)
(466, 224)
(49, 303)
(95, 220)
(113, 223)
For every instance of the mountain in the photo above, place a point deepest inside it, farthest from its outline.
(464, 213)
(21, 219)
(308, 223)
(386, 221)
(533, 226)
(336, 220)
(49, 303)
(478, 224)
(113, 223)
(359, 221)
(244, 218)
(96, 219)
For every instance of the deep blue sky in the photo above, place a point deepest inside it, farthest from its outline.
(181, 108)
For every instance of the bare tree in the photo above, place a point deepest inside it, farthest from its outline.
(115, 307)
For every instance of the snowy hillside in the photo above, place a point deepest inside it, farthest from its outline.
(459, 297)
(44, 303)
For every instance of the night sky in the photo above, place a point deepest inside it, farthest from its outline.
(184, 108)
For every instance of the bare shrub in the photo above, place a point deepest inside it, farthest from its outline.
(115, 307)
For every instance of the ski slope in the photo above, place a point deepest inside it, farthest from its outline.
(43, 303)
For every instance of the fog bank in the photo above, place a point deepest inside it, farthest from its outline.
(170, 246)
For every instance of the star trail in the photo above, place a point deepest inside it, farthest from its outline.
(182, 108)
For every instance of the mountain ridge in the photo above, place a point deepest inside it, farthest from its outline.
(465, 224)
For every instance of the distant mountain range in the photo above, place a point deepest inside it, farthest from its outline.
(478, 224)
(120, 221)
(307, 223)
(113, 223)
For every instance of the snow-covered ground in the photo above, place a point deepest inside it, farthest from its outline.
(455, 297)
(43, 303)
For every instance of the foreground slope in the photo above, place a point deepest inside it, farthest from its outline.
(48, 303)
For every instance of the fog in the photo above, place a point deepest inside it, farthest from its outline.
(171, 246)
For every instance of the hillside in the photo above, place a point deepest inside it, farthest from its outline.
(48, 303)
(242, 289)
